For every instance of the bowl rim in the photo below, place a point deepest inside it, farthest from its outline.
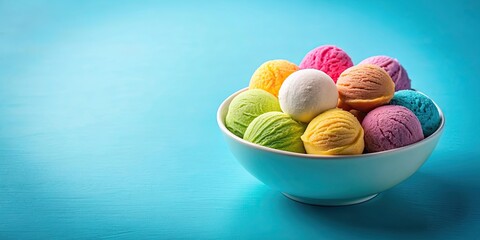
(317, 157)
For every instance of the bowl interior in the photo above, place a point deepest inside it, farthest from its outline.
(223, 109)
(328, 180)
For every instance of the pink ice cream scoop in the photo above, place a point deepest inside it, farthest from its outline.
(388, 127)
(329, 59)
(393, 68)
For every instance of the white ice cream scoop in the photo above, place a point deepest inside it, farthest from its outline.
(307, 93)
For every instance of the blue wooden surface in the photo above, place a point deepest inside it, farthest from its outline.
(107, 117)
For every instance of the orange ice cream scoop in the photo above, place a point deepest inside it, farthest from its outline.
(364, 87)
(358, 114)
(270, 75)
(343, 106)
(334, 132)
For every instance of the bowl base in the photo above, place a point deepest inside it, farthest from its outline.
(330, 202)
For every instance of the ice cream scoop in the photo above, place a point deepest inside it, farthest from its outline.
(358, 114)
(270, 75)
(328, 58)
(276, 130)
(365, 87)
(393, 68)
(247, 106)
(334, 132)
(388, 127)
(307, 93)
(422, 106)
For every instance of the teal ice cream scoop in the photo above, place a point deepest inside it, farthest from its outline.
(422, 106)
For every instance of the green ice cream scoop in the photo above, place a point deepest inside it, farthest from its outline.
(276, 130)
(247, 106)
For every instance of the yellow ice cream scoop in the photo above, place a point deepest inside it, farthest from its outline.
(271, 74)
(334, 132)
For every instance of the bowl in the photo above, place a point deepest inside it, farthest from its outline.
(328, 180)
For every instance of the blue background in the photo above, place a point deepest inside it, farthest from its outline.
(107, 117)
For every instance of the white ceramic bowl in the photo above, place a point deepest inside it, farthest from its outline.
(328, 180)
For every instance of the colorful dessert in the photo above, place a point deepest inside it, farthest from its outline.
(307, 93)
(247, 106)
(388, 127)
(365, 87)
(329, 59)
(276, 130)
(393, 68)
(334, 132)
(327, 106)
(422, 106)
(358, 114)
(270, 75)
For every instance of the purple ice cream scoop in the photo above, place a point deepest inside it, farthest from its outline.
(388, 127)
(393, 68)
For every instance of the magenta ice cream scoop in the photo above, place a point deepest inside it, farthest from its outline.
(389, 127)
(330, 59)
(393, 68)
